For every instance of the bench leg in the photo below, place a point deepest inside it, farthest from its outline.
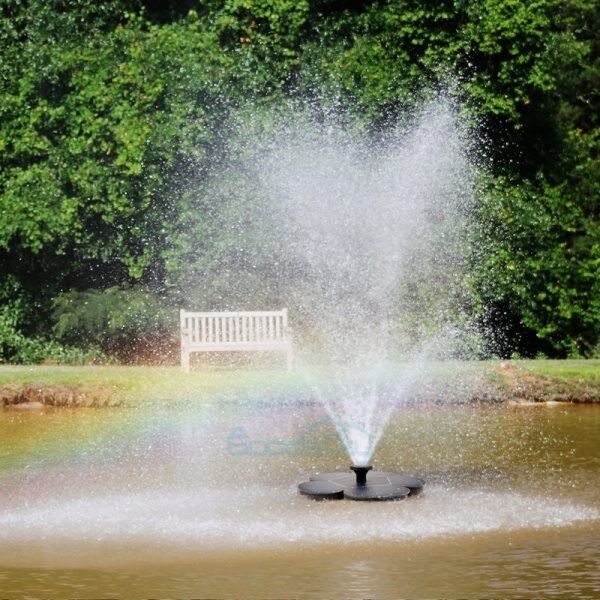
(185, 361)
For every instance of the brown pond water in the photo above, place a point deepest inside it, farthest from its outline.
(199, 500)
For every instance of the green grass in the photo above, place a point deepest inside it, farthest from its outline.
(587, 370)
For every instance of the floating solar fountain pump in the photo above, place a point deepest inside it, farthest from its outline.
(364, 484)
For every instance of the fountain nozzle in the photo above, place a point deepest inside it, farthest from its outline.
(361, 473)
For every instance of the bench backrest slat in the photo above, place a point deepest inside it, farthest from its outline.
(235, 327)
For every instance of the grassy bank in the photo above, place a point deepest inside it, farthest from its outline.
(491, 381)
(132, 385)
(554, 380)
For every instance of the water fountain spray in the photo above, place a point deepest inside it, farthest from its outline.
(387, 247)
(363, 236)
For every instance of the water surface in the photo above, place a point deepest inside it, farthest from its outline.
(199, 499)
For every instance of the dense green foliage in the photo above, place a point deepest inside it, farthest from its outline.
(18, 348)
(123, 323)
(106, 108)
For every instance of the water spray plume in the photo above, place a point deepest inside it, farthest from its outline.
(374, 235)
(364, 237)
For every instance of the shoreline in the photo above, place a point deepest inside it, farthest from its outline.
(516, 383)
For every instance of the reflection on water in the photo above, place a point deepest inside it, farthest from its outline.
(91, 498)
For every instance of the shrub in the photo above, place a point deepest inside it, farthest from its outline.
(131, 324)
(15, 347)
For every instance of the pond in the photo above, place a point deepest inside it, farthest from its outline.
(200, 499)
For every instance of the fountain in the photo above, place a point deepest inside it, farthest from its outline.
(371, 244)
(365, 237)
(369, 485)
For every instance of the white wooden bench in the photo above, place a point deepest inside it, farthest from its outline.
(245, 331)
